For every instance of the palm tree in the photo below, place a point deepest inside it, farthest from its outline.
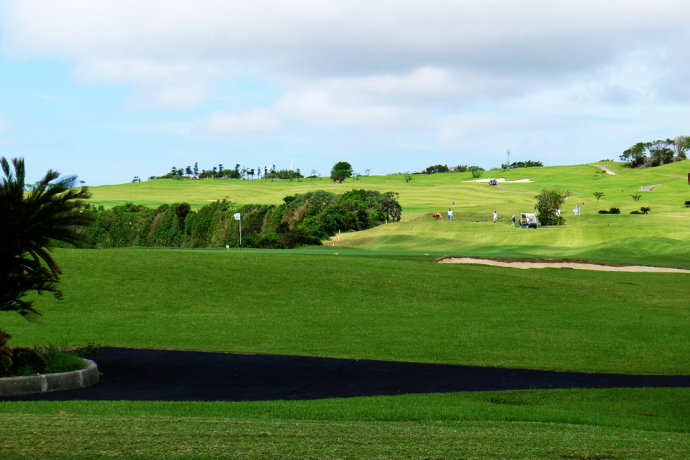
(30, 222)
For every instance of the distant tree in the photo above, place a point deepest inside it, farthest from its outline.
(341, 171)
(31, 223)
(221, 168)
(598, 195)
(408, 176)
(636, 155)
(548, 207)
(476, 171)
(367, 171)
(526, 164)
(636, 197)
(436, 169)
(314, 173)
(681, 145)
(188, 170)
(196, 168)
(173, 171)
(660, 152)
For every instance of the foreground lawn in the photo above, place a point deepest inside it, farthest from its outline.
(612, 423)
(359, 304)
(367, 306)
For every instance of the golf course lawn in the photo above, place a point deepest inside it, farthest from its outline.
(379, 294)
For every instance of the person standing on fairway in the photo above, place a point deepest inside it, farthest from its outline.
(450, 214)
(512, 220)
(495, 216)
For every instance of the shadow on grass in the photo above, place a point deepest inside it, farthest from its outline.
(149, 375)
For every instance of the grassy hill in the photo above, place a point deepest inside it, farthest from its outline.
(661, 238)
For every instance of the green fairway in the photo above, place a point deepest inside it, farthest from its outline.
(615, 423)
(359, 305)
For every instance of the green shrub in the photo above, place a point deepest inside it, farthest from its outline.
(90, 349)
(687, 204)
(610, 211)
(60, 360)
(27, 361)
(302, 219)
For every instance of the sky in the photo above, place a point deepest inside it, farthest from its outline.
(112, 89)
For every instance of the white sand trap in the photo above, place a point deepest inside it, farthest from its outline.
(501, 179)
(560, 264)
(604, 168)
(648, 188)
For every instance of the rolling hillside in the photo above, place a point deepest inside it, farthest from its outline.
(660, 238)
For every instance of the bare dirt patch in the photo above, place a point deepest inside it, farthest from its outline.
(558, 263)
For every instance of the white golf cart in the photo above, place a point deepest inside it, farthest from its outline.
(528, 220)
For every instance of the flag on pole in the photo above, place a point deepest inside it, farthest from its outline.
(237, 216)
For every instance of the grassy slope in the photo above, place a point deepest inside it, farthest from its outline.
(663, 238)
(613, 423)
(404, 308)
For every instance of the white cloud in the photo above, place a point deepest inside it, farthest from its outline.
(332, 39)
(330, 109)
(228, 123)
(462, 69)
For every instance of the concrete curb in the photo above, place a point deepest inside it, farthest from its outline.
(42, 383)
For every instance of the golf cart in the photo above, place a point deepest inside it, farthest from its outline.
(528, 220)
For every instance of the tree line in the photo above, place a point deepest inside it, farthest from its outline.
(220, 172)
(301, 219)
(434, 169)
(658, 152)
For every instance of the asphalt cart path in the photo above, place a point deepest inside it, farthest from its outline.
(148, 375)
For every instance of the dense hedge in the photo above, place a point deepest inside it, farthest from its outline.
(301, 219)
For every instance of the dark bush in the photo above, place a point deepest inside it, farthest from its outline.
(27, 361)
(603, 211)
(645, 210)
(687, 204)
(5, 353)
(614, 211)
(635, 212)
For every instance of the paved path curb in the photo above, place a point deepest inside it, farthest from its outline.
(42, 383)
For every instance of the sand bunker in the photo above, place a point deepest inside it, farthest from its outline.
(605, 169)
(579, 265)
(649, 188)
